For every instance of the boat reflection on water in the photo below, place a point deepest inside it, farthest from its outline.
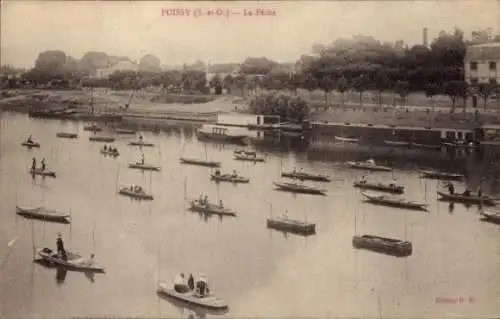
(451, 208)
(192, 311)
(61, 272)
(206, 216)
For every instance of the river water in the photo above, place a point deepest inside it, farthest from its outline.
(453, 271)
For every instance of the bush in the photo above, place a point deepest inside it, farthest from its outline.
(289, 108)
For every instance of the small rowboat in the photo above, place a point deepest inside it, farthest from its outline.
(384, 245)
(44, 214)
(299, 188)
(394, 201)
(229, 178)
(286, 224)
(250, 158)
(397, 143)
(441, 175)
(111, 153)
(209, 208)
(370, 166)
(30, 145)
(127, 191)
(73, 262)
(426, 146)
(238, 151)
(42, 173)
(472, 199)
(107, 139)
(390, 188)
(140, 143)
(491, 216)
(209, 302)
(346, 139)
(124, 131)
(67, 135)
(199, 162)
(92, 128)
(146, 167)
(461, 145)
(306, 176)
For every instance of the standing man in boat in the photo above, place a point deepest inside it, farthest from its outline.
(30, 140)
(60, 248)
(43, 164)
(191, 282)
(451, 188)
(33, 164)
(142, 159)
(202, 286)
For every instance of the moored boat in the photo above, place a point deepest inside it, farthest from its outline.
(191, 297)
(394, 201)
(67, 135)
(206, 207)
(490, 216)
(140, 143)
(30, 144)
(41, 172)
(96, 138)
(74, 261)
(146, 167)
(199, 162)
(111, 153)
(238, 151)
(471, 199)
(346, 139)
(299, 188)
(233, 178)
(397, 143)
(249, 158)
(135, 192)
(426, 146)
(45, 214)
(286, 224)
(306, 176)
(92, 128)
(390, 188)
(217, 133)
(125, 131)
(385, 245)
(441, 175)
(368, 165)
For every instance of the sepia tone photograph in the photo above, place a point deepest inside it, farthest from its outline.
(250, 159)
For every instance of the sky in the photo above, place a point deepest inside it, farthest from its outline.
(133, 29)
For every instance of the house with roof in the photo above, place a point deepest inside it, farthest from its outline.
(120, 66)
(482, 65)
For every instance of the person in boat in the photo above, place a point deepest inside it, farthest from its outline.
(201, 286)
(217, 172)
(33, 164)
(294, 171)
(60, 248)
(370, 162)
(451, 188)
(393, 183)
(180, 284)
(191, 282)
(105, 147)
(200, 200)
(29, 140)
(479, 192)
(467, 192)
(140, 138)
(363, 179)
(220, 204)
(205, 200)
(142, 159)
(43, 164)
(234, 173)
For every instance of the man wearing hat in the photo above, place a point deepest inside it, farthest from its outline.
(60, 247)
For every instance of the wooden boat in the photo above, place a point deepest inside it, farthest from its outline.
(216, 133)
(306, 176)
(140, 143)
(30, 145)
(284, 223)
(390, 188)
(249, 158)
(38, 171)
(146, 167)
(426, 146)
(389, 246)
(92, 128)
(394, 201)
(199, 162)
(299, 188)
(209, 208)
(229, 178)
(111, 153)
(472, 199)
(397, 143)
(490, 216)
(368, 165)
(441, 175)
(73, 262)
(134, 193)
(210, 301)
(67, 135)
(461, 145)
(346, 139)
(107, 139)
(45, 214)
(238, 151)
(125, 131)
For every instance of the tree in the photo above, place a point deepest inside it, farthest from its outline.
(360, 84)
(486, 90)
(342, 87)
(241, 83)
(454, 89)
(381, 83)
(150, 63)
(432, 90)
(289, 108)
(216, 84)
(295, 83)
(310, 83)
(326, 84)
(402, 89)
(256, 66)
(227, 82)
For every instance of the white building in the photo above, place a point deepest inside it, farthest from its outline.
(482, 65)
(120, 66)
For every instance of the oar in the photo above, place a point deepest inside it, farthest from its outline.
(9, 245)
